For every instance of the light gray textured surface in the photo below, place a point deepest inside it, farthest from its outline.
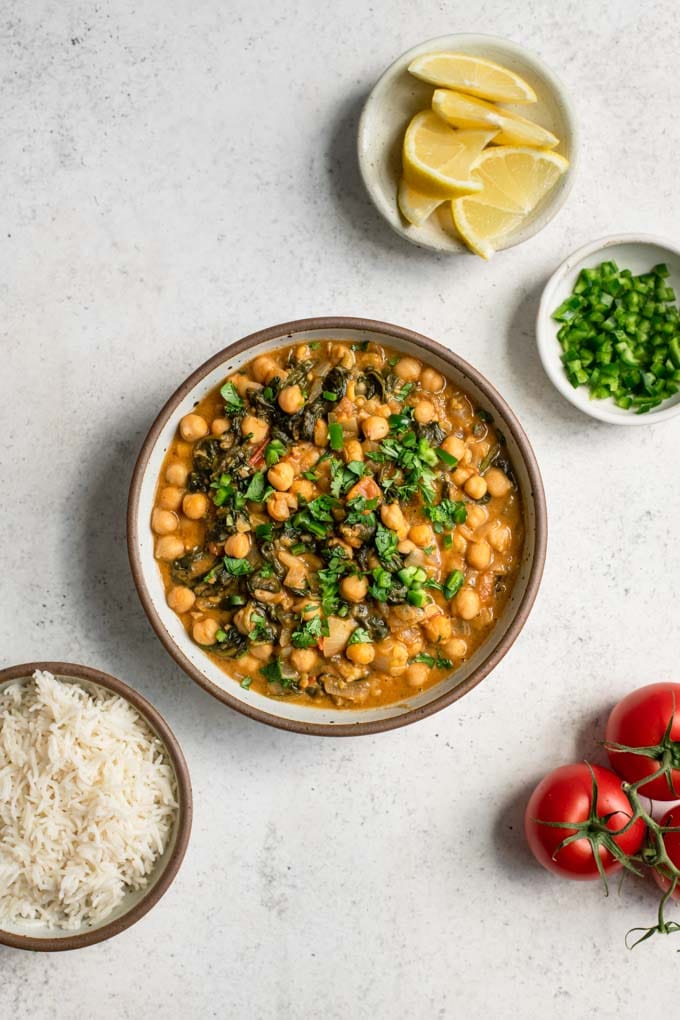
(176, 175)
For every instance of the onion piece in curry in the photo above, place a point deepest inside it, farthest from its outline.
(338, 524)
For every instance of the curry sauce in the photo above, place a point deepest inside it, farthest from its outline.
(338, 524)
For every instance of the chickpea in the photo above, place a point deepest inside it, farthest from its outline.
(264, 368)
(244, 385)
(164, 522)
(303, 488)
(205, 631)
(497, 482)
(461, 475)
(291, 399)
(406, 547)
(304, 660)
(455, 446)
(320, 433)
(375, 427)
(181, 599)
(421, 535)
(438, 628)
(479, 555)
(417, 674)
(466, 604)
(262, 652)
(310, 610)
(169, 547)
(281, 475)
(193, 427)
(476, 515)
(432, 381)
(455, 648)
(237, 545)
(195, 505)
(424, 412)
(408, 369)
(176, 473)
(392, 517)
(255, 428)
(459, 542)
(218, 426)
(500, 537)
(360, 654)
(280, 504)
(242, 619)
(475, 487)
(354, 588)
(170, 497)
(394, 653)
(353, 450)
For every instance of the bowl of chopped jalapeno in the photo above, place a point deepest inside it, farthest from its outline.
(608, 329)
(336, 526)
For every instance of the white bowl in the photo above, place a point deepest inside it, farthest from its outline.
(397, 96)
(637, 252)
(280, 712)
(36, 936)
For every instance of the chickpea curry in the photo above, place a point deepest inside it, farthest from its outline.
(338, 524)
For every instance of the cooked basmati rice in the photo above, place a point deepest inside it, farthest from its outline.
(87, 803)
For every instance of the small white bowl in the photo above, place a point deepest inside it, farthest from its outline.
(397, 96)
(637, 252)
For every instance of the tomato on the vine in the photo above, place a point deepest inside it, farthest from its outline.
(565, 799)
(671, 842)
(648, 720)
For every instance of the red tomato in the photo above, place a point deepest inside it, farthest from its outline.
(672, 843)
(641, 720)
(565, 795)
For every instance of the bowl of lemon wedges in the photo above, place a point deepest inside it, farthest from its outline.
(467, 143)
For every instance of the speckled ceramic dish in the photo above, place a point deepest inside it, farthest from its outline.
(135, 904)
(637, 252)
(397, 96)
(280, 712)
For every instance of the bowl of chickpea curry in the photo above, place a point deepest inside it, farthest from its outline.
(337, 526)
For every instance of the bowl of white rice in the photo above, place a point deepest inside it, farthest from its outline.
(95, 806)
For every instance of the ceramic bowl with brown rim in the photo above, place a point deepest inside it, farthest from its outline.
(289, 714)
(134, 904)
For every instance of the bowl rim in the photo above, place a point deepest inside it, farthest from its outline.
(518, 50)
(288, 330)
(546, 342)
(70, 670)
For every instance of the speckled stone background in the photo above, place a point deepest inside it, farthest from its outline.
(175, 175)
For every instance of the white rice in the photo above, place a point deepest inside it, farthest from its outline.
(87, 803)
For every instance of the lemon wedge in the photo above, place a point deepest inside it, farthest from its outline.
(437, 159)
(514, 182)
(416, 206)
(462, 111)
(473, 75)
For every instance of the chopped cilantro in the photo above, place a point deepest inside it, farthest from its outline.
(273, 452)
(246, 682)
(264, 531)
(236, 567)
(232, 402)
(310, 632)
(359, 636)
(344, 477)
(430, 660)
(447, 514)
(258, 490)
